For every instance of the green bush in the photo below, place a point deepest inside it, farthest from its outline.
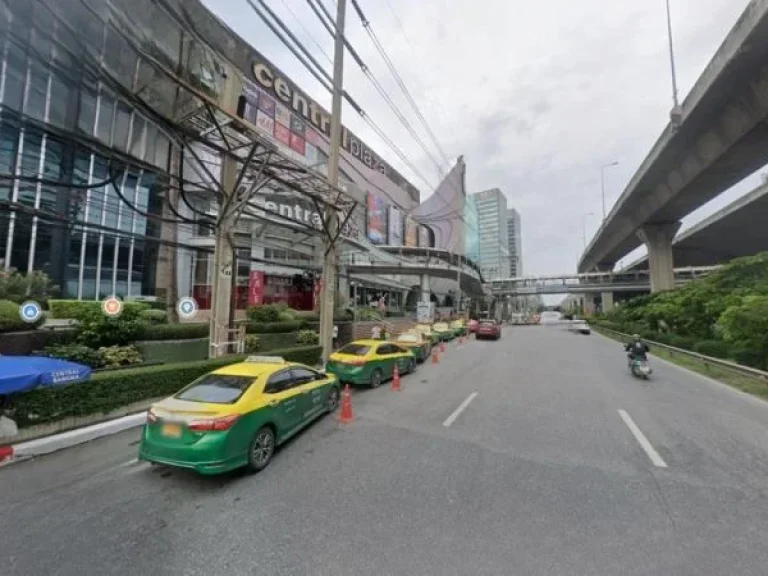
(109, 391)
(276, 340)
(747, 356)
(175, 331)
(286, 316)
(18, 287)
(152, 316)
(97, 329)
(252, 343)
(78, 309)
(264, 313)
(274, 327)
(368, 314)
(117, 356)
(714, 348)
(173, 351)
(76, 353)
(307, 337)
(10, 321)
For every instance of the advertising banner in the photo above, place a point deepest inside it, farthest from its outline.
(395, 227)
(411, 232)
(377, 219)
(255, 288)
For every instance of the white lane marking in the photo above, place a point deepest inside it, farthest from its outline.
(456, 413)
(657, 460)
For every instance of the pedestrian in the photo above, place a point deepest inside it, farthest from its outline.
(376, 332)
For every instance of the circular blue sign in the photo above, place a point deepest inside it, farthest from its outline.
(187, 307)
(30, 312)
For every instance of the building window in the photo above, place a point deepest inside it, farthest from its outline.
(106, 112)
(37, 92)
(15, 77)
(122, 126)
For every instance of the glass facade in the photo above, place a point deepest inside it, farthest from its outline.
(472, 229)
(66, 207)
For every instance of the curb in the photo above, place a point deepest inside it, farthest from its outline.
(48, 444)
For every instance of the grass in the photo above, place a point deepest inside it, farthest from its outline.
(753, 385)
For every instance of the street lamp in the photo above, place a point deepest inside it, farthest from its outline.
(602, 181)
(676, 114)
(584, 227)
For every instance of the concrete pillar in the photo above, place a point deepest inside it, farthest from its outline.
(589, 305)
(607, 301)
(658, 239)
(425, 290)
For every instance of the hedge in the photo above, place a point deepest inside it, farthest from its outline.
(276, 341)
(189, 331)
(109, 391)
(274, 327)
(10, 321)
(173, 351)
(76, 309)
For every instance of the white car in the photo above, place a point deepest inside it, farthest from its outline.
(580, 327)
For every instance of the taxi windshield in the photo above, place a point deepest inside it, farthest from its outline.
(441, 326)
(216, 389)
(408, 338)
(355, 349)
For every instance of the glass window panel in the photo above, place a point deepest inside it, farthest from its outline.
(150, 142)
(96, 205)
(30, 156)
(54, 155)
(43, 243)
(162, 150)
(87, 112)
(129, 191)
(37, 92)
(41, 46)
(122, 125)
(61, 92)
(107, 257)
(9, 141)
(15, 76)
(112, 206)
(21, 236)
(137, 136)
(106, 111)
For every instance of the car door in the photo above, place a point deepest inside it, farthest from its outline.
(311, 390)
(285, 403)
(400, 356)
(391, 355)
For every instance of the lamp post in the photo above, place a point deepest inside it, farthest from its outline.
(676, 114)
(602, 181)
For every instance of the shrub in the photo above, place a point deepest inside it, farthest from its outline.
(78, 309)
(746, 356)
(97, 330)
(18, 287)
(116, 356)
(368, 314)
(286, 316)
(714, 348)
(108, 391)
(10, 320)
(251, 343)
(175, 331)
(307, 337)
(173, 351)
(276, 341)
(152, 316)
(274, 327)
(264, 313)
(76, 353)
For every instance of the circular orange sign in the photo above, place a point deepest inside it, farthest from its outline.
(112, 306)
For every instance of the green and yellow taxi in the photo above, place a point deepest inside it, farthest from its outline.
(429, 334)
(370, 362)
(459, 327)
(417, 343)
(237, 415)
(444, 331)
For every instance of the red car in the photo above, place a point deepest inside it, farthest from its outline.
(472, 325)
(488, 329)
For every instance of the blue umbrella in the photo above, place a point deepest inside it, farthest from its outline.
(22, 373)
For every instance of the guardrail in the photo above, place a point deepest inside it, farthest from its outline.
(706, 360)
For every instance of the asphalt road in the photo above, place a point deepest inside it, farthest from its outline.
(540, 473)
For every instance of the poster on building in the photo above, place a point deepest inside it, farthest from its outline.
(282, 134)
(297, 143)
(377, 219)
(411, 232)
(395, 227)
(265, 123)
(256, 288)
(283, 115)
(423, 237)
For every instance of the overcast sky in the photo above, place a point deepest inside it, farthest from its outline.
(536, 96)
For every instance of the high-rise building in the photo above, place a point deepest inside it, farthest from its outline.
(491, 207)
(515, 243)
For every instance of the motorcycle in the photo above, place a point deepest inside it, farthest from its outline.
(640, 368)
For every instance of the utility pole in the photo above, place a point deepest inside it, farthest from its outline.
(328, 286)
(676, 113)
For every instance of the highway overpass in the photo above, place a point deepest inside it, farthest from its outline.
(589, 283)
(722, 137)
(733, 231)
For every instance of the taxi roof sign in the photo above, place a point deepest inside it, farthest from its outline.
(265, 359)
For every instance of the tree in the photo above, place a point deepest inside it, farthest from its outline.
(745, 325)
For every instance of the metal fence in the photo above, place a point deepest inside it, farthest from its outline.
(706, 360)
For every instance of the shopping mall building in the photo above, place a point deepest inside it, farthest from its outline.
(85, 165)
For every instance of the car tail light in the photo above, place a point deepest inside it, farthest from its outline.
(214, 424)
(151, 416)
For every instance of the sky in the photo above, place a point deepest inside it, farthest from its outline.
(535, 96)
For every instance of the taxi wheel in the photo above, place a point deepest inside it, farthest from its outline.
(376, 377)
(333, 399)
(262, 449)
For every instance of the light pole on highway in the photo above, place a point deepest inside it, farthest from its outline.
(602, 181)
(584, 227)
(676, 114)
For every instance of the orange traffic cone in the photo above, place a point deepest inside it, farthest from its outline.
(396, 379)
(435, 357)
(346, 406)
(6, 453)
(442, 347)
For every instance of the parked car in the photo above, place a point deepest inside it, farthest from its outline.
(237, 415)
(459, 327)
(579, 326)
(430, 334)
(417, 343)
(488, 329)
(472, 326)
(444, 331)
(370, 362)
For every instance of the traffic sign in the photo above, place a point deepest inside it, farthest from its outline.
(30, 311)
(187, 307)
(112, 306)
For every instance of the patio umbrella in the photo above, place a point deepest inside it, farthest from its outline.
(22, 373)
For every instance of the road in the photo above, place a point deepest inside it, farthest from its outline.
(539, 474)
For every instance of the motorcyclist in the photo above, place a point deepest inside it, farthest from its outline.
(637, 349)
